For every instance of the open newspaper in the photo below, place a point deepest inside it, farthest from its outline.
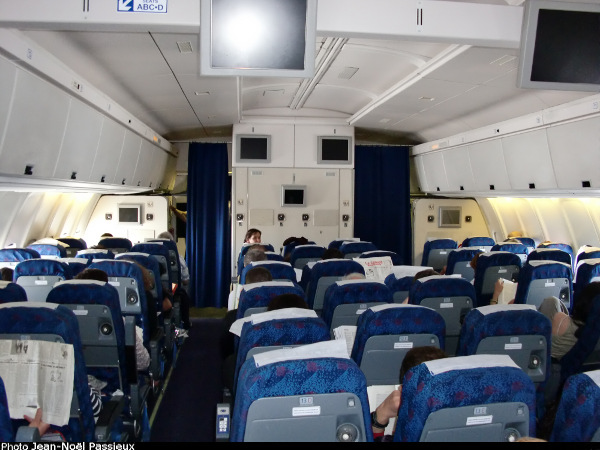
(376, 268)
(509, 291)
(38, 374)
(347, 333)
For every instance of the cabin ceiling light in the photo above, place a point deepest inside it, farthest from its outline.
(185, 47)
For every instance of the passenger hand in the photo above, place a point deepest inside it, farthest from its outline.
(389, 407)
(37, 422)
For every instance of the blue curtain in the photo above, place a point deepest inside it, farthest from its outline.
(382, 198)
(208, 231)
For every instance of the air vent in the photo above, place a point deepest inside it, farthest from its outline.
(185, 47)
(347, 73)
(273, 92)
(256, 172)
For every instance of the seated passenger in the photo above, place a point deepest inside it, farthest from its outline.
(388, 409)
(7, 274)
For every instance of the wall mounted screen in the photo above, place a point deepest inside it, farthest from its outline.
(334, 150)
(293, 195)
(449, 216)
(258, 37)
(253, 148)
(560, 46)
(129, 214)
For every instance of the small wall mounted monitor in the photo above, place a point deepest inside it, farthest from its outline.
(130, 214)
(560, 46)
(258, 37)
(293, 195)
(253, 148)
(334, 150)
(449, 216)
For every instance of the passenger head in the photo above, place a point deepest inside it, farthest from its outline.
(255, 253)
(354, 276)
(258, 275)
(166, 235)
(418, 355)
(473, 262)
(253, 236)
(425, 273)
(514, 234)
(287, 301)
(7, 274)
(583, 303)
(92, 274)
(332, 253)
(106, 235)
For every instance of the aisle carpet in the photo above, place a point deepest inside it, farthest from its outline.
(187, 410)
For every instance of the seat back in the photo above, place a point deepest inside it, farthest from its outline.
(256, 296)
(90, 254)
(288, 386)
(527, 242)
(588, 270)
(44, 321)
(452, 297)
(38, 276)
(116, 244)
(174, 265)
(396, 258)
(98, 311)
(353, 249)
(477, 398)
(577, 418)
(77, 265)
(10, 257)
(286, 249)
(323, 274)
(12, 292)
(490, 267)
(6, 428)
(587, 252)
(541, 279)
(128, 280)
(435, 252)
(560, 246)
(302, 254)
(150, 263)
(519, 331)
(160, 252)
(264, 335)
(345, 300)
(459, 262)
(49, 250)
(73, 245)
(280, 270)
(518, 249)
(398, 286)
(549, 254)
(485, 243)
(385, 333)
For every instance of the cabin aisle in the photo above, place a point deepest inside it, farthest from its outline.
(187, 410)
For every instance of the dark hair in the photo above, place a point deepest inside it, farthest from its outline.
(287, 301)
(332, 253)
(7, 274)
(250, 233)
(92, 274)
(258, 275)
(425, 273)
(418, 355)
(255, 253)
(473, 262)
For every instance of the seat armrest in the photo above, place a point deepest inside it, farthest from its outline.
(27, 434)
(111, 411)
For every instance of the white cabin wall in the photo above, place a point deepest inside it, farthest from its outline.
(256, 188)
(425, 229)
(99, 224)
